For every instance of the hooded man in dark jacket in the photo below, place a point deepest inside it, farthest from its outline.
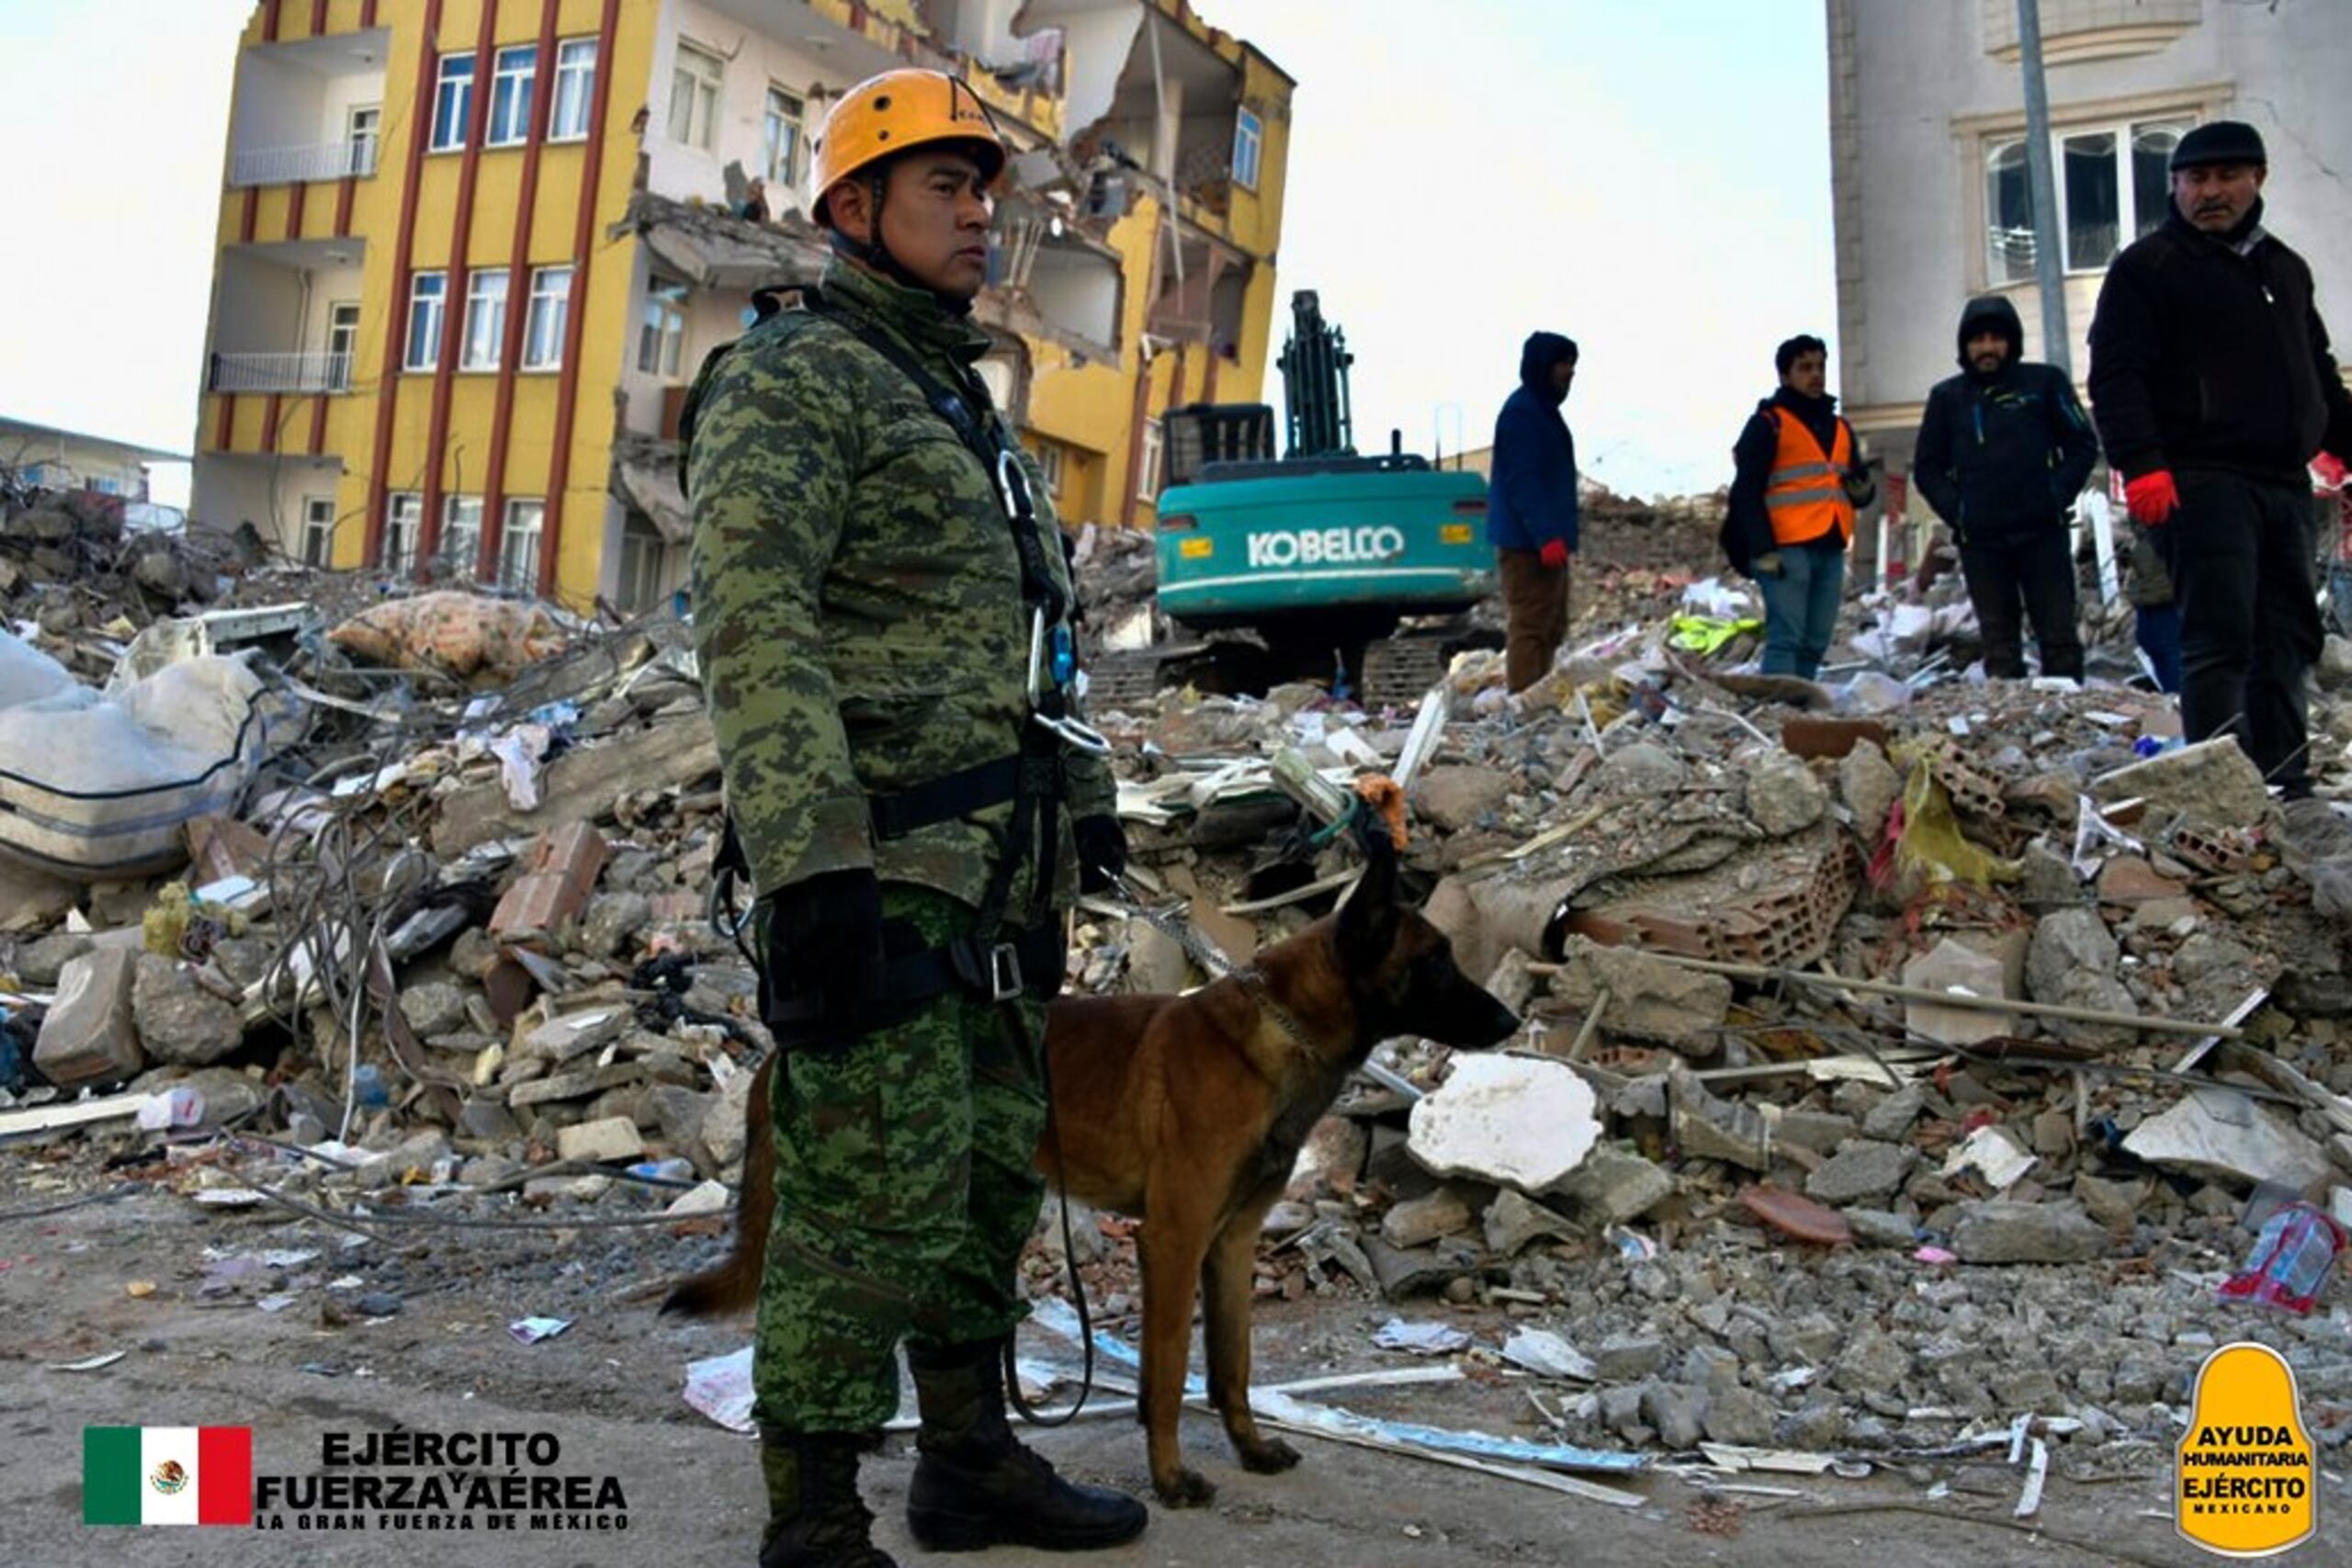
(2213, 386)
(1797, 479)
(2004, 448)
(1532, 508)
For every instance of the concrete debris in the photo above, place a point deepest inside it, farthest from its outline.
(2221, 1135)
(1648, 998)
(1753, 1202)
(1504, 1119)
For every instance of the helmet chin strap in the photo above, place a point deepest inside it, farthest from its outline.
(876, 254)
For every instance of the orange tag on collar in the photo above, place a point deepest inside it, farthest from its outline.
(1386, 798)
(2245, 1483)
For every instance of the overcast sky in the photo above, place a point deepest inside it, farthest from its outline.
(1649, 176)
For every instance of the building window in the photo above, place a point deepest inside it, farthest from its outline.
(361, 130)
(342, 342)
(485, 319)
(318, 531)
(518, 546)
(460, 536)
(510, 96)
(575, 86)
(1049, 465)
(2114, 185)
(694, 95)
(543, 328)
(1249, 143)
(401, 514)
(1148, 463)
(781, 138)
(427, 296)
(650, 566)
(661, 331)
(453, 102)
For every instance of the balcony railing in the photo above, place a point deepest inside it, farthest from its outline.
(290, 165)
(280, 373)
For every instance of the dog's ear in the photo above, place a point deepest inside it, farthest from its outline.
(1368, 919)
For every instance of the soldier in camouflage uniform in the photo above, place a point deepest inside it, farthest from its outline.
(882, 617)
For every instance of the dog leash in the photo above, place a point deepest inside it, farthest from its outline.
(1212, 959)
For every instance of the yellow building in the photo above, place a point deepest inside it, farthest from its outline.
(471, 252)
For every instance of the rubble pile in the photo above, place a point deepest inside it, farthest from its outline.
(1902, 1053)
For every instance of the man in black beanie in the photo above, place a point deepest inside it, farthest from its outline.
(1532, 508)
(2213, 387)
(2003, 448)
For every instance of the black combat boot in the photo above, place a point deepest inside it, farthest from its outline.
(816, 1519)
(975, 1486)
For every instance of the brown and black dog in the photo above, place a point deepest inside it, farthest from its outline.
(1188, 1111)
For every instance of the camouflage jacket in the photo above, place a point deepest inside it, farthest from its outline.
(857, 597)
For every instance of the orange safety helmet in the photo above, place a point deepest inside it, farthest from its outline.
(887, 113)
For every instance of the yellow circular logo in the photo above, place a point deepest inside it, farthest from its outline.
(2245, 1483)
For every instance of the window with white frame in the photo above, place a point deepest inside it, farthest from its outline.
(517, 71)
(453, 102)
(485, 319)
(1248, 147)
(460, 545)
(518, 546)
(1049, 463)
(428, 295)
(2114, 185)
(342, 342)
(318, 531)
(1148, 463)
(694, 95)
(401, 512)
(780, 139)
(543, 328)
(363, 127)
(650, 567)
(662, 331)
(575, 89)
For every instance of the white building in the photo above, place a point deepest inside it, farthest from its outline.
(1929, 163)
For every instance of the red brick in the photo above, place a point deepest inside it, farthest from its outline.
(558, 873)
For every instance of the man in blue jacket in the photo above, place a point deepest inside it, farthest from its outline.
(2004, 447)
(1532, 508)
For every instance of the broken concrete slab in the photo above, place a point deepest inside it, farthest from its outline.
(1870, 785)
(2223, 1135)
(1649, 999)
(89, 1037)
(611, 1138)
(178, 1019)
(1862, 1168)
(1417, 1222)
(434, 1007)
(1456, 797)
(1783, 795)
(1613, 1185)
(1514, 1221)
(1951, 967)
(583, 783)
(2213, 783)
(1708, 1127)
(1512, 1119)
(2000, 1231)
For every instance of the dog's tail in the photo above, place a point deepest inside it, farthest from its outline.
(734, 1284)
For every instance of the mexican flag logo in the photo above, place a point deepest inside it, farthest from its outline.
(167, 1475)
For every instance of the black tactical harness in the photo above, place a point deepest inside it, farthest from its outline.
(992, 962)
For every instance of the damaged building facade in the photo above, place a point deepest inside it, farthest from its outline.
(473, 252)
(1928, 159)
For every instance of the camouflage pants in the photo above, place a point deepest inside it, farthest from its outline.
(905, 1190)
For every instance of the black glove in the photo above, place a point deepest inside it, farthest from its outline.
(1102, 853)
(824, 950)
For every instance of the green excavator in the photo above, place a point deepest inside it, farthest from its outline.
(1321, 564)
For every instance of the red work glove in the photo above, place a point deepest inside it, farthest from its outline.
(2152, 498)
(1555, 553)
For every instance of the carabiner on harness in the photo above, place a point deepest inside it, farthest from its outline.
(1045, 695)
